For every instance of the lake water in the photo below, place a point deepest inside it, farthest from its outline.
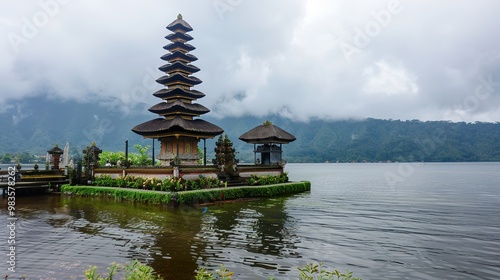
(24, 166)
(382, 221)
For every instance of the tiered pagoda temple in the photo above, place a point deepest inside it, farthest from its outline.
(178, 128)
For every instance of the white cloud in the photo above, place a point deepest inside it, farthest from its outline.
(20, 113)
(259, 57)
(389, 80)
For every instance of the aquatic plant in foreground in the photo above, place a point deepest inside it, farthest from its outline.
(310, 271)
(133, 271)
(138, 271)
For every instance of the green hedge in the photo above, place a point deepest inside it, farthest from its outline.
(203, 196)
(190, 197)
(119, 194)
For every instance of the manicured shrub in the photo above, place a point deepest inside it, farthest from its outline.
(255, 180)
(153, 183)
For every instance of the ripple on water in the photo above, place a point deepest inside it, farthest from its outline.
(440, 223)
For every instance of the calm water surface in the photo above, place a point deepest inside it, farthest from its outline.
(429, 221)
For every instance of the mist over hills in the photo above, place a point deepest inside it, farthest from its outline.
(36, 124)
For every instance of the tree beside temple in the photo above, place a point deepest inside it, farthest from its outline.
(91, 158)
(225, 155)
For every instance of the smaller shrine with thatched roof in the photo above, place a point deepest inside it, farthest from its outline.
(267, 140)
(55, 153)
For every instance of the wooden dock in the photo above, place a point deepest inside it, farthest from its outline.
(33, 187)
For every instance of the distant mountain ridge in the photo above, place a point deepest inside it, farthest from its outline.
(37, 124)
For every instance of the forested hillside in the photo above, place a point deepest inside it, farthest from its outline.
(383, 140)
(370, 140)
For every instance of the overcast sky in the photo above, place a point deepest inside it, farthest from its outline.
(428, 60)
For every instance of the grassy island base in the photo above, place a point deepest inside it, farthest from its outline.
(189, 197)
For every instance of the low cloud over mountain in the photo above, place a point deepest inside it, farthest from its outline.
(302, 60)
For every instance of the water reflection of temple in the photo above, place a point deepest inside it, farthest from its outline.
(174, 241)
(255, 233)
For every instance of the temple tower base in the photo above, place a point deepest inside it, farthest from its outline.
(179, 150)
